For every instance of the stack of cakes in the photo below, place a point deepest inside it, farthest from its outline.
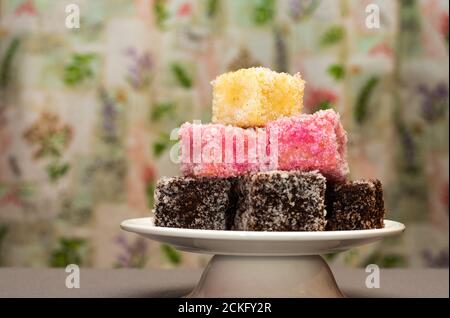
(263, 166)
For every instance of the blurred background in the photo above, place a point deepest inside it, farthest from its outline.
(85, 114)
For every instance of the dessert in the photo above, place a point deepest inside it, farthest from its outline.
(312, 142)
(355, 205)
(219, 150)
(303, 142)
(194, 203)
(254, 96)
(263, 166)
(280, 201)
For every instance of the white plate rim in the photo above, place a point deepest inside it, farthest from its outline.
(135, 225)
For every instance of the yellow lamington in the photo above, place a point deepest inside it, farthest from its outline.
(254, 96)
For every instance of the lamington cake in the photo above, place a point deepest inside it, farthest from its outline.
(222, 150)
(252, 97)
(305, 142)
(281, 201)
(262, 165)
(194, 203)
(312, 142)
(355, 205)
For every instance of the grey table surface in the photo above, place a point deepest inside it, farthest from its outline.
(34, 282)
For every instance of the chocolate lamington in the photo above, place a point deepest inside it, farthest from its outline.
(355, 205)
(281, 201)
(194, 203)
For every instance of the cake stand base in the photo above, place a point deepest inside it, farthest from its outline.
(266, 276)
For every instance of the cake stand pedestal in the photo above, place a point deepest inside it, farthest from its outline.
(266, 276)
(263, 264)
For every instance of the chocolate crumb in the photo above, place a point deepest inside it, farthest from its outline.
(281, 201)
(355, 205)
(194, 203)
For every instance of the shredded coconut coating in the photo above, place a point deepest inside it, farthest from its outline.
(194, 203)
(254, 96)
(356, 205)
(281, 201)
(304, 142)
(221, 150)
(312, 142)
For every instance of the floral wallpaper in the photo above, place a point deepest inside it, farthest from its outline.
(86, 114)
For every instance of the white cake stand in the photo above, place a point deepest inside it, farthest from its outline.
(263, 264)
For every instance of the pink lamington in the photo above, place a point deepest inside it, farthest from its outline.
(312, 142)
(221, 150)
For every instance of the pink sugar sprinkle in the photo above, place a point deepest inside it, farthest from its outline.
(310, 142)
(303, 142)
(219, 150)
